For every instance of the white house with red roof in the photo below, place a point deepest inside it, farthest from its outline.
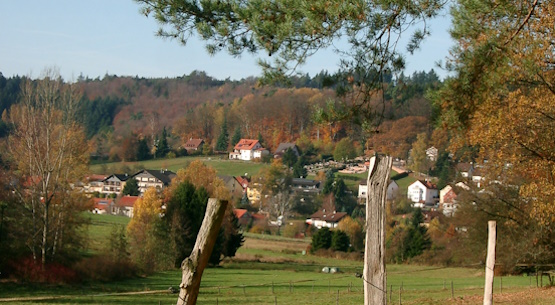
(423, 193)
(247, 150)
(103, 206)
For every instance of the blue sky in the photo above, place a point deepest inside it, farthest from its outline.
(96, 37)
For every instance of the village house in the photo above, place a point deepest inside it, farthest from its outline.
(323, 218)
(423, 193)
(114, 184)
(283, 147)
(235, 188)
(391, 193)
(94, 183)
(247, 150)
(244, 182)
(243, 216)
(305, 185)
(193, 145)
(448, 198)
(432, 154)
(158, 179)
(103, 206)
(125, 204)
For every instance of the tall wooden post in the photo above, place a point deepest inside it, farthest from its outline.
(193, 266)
(490, 263)
(374, 275)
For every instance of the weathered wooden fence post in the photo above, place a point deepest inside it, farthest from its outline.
(374, 274)
(490, 263)
(193, 266)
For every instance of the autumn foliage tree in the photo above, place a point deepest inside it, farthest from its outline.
(502, 97)
(49, 151)
(142, 230)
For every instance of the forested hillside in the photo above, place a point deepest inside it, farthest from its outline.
(119, 112)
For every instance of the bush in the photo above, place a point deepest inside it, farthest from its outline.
(29, 270)
(293, 230)
(102, 268)
(322, 239)
(340, 241)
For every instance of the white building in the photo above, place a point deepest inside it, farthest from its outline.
(247, 149)
(392, 190)
(423, 193)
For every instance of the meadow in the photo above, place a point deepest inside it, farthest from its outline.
(220, 164)
(274, 270)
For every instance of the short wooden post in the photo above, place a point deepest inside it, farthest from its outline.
(400, 291)
(452, 290)
(337, 299)
(501, 284)
(490, 263)
(244, 292)
(374, 272)
(275, 300)
(193, 266)
(390, 293)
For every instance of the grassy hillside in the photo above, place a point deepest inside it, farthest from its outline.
(222, 166)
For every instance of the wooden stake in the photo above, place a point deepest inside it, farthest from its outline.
(193, 266)
(490, 263)
(452, 291)
(374, 274)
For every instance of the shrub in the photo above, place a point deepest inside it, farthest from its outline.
(103, 268)
(29, 270)
(339, 241)
(322, 239)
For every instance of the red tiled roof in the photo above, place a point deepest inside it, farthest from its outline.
(239, 212)
(102, 203)
(127, 201)
(246, 144)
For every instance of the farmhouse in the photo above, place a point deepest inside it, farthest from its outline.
(283, 147)
(193, 145)
(423, 193)
(328, 219)
(247, 150)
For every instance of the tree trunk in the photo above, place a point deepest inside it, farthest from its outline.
(374, 274)
(193, 266)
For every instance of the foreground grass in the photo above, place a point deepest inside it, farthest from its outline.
(238, 283)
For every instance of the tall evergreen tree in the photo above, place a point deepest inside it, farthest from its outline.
(163, 146)
(236, 136)
(143, 152)
(223, 138)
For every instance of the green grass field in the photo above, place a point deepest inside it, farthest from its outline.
(222, 166)
(273, 270)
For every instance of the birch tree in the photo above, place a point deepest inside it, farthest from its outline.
(49, 152)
